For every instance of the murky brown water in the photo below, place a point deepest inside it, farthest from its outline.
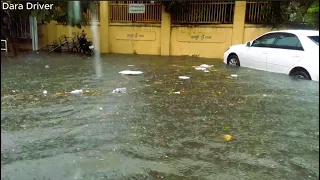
(150, 132)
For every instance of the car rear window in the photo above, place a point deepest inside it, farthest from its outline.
(315, 39)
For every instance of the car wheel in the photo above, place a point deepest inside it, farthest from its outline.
(301, 75)
(233, 60)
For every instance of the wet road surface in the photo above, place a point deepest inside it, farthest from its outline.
(150, 132)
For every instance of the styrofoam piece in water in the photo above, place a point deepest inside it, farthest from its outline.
(128, 72)
(234, 75)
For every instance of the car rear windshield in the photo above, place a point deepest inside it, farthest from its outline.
(315, 39)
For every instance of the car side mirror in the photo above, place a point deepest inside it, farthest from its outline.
(248, 44)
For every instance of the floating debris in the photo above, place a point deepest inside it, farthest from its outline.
(45, 92)
(77, 91)
(234, 75)
(179, 92)
(60, 94)
(206, 66)
(226, 137)
(130, 65)
(92, 93)
(205, 71)
(120, 90)
(47, 66)
(128, 72)
(200, 68)
(184, 77)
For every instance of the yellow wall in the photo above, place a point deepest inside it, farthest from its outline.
(253, 31)
(209, 41)
(42, 35)
(205, 41)
(130, 39)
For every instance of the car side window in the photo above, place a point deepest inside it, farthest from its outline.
(265, 41)
(288, 41)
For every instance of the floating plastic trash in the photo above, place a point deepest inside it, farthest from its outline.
(130, 65)
(128, 72)
(205, 71)
(45, 92)
(184, 77)
(179, 92)
(206, 65)
(120, 90)
(234, 75)
(47, 66)
(77, 91)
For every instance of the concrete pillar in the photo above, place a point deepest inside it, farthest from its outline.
(165, 33)
(238, 22)
(104, 26)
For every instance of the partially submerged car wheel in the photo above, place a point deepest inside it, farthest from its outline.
(233, 60)
(300, 74)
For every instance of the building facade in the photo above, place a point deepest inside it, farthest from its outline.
(206, 30)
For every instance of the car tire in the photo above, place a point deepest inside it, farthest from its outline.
(301, 75)
(233, 60)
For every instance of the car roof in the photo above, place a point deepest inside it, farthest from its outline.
(301, 32)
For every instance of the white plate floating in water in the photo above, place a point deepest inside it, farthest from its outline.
(184, 77)
(128, 72)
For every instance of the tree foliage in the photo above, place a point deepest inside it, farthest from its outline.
(62, 12)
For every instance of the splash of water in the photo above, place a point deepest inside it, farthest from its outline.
(96, 43)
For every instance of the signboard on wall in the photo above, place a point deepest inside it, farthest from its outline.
(137, 8)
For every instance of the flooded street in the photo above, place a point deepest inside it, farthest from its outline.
(151, 132)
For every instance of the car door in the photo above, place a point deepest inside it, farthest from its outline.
(286, 52)
(256, 54)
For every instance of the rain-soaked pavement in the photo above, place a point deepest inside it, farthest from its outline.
(150, 132)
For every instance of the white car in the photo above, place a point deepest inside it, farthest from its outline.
(293, 52)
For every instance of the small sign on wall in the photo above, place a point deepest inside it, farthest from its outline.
(137, 8)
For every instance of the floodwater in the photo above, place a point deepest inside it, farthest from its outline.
(150, 132)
